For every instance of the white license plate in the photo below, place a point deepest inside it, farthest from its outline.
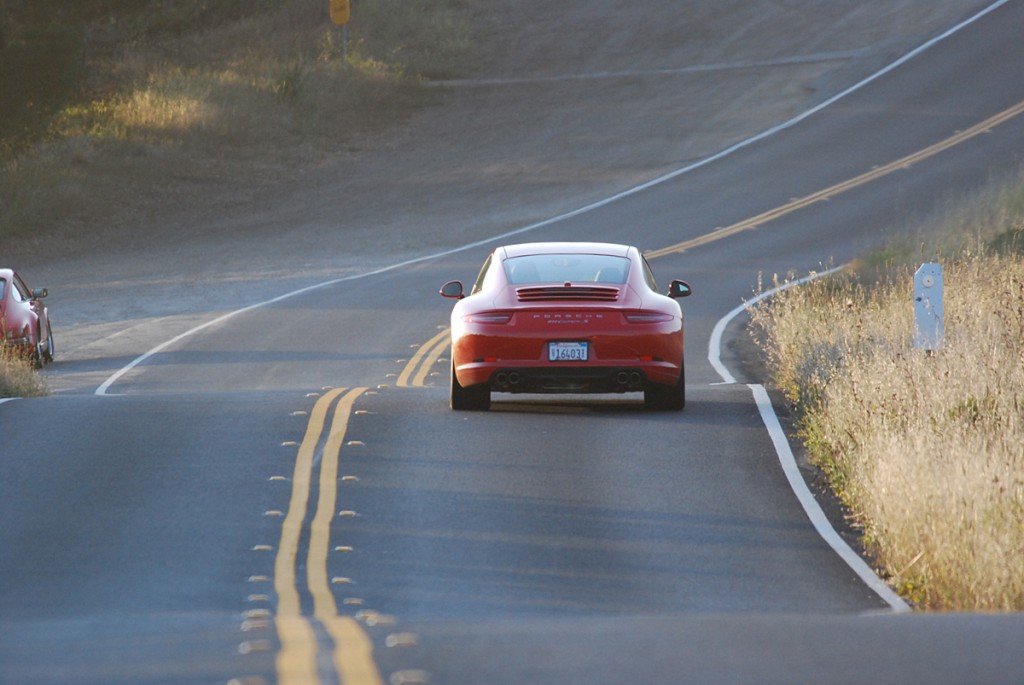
(568, 351)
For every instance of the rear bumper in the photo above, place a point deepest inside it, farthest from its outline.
(523, 378)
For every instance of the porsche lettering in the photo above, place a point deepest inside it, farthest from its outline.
(568, 316)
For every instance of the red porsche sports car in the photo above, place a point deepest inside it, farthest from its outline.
(24, 320)
(566, 317)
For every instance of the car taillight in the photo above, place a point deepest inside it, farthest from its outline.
(488, 317)
(647, 317)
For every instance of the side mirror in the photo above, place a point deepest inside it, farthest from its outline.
(679, 289)
(39, 293)
(452, 289)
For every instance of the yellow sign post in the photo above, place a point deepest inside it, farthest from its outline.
(340, 12)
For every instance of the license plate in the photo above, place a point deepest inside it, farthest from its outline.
(568, 351)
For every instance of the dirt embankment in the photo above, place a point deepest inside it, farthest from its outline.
(572, 101)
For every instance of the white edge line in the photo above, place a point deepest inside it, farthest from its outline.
(715, 344)
(102, 389)
(7, 399)
(813, 509)
(785, 453)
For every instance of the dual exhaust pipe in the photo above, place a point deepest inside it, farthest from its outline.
(628, 379)
(508, 379)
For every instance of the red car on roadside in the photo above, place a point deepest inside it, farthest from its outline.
(24, 319)
(566, 317)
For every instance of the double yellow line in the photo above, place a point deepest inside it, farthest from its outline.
(415, 373)
(827, 193)
(352, 654)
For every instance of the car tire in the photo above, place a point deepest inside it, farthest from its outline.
(50, 352)
(473, 398)
(667, 397)
(38, 355)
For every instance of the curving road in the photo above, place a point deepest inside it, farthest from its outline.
(283, 495)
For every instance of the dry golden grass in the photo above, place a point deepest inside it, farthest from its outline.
(926, 449)
(18, 378)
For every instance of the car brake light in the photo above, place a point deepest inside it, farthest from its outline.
(647, 317)
(488, 317)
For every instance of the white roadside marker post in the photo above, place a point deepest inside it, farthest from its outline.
(928, 326)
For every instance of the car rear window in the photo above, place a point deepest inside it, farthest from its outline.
(567, 268)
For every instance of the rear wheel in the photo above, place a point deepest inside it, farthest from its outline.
(39, 353)
(473, 398)
(667, 397)
(48, 355)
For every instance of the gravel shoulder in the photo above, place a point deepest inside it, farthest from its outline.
(570, 103)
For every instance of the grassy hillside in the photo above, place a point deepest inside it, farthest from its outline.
(109, 106)
(55, 54)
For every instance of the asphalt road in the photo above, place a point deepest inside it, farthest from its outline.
(175, 530)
